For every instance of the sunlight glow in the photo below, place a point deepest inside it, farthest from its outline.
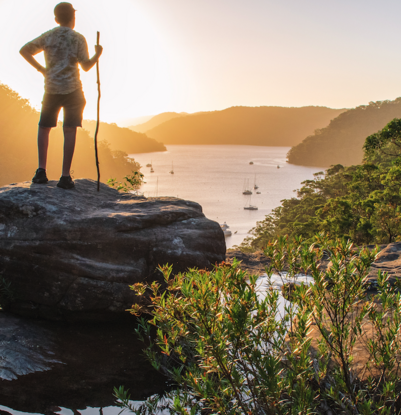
(132, 65)
(205, 55)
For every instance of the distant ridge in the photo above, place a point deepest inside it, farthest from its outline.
(126, 123)
(342, 140)
(155, 121)
(124, 139)
(263, 126)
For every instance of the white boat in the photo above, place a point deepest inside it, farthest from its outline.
(225, 229)
(246, 190)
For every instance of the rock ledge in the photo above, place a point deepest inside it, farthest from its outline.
(70, 254)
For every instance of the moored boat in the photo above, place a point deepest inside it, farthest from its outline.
(225, 229)
(246, 190)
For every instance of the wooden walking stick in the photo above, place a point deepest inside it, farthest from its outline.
(98, 115)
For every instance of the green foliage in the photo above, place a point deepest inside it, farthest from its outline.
(361, 202)
(385, 142)
(228, 350)
(131, 182)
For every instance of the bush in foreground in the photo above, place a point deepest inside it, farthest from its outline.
(228, 350)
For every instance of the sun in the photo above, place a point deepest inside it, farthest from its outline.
(134, 62)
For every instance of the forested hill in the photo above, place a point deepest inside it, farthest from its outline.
(262, 126)
(342, 140)
(124, 139)
(18, 155)
(156, 120)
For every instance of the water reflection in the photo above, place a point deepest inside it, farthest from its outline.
(95, 358)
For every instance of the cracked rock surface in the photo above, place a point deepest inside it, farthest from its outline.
(71, 254)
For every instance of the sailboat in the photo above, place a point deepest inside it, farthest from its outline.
(250, 207)
(246, 188)
(255, 186)
(172, 168)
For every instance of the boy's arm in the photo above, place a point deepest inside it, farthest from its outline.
(88, 64)
(27, 54)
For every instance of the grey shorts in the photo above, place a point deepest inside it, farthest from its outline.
(73, 104)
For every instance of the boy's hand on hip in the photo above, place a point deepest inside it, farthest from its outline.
(42, 70)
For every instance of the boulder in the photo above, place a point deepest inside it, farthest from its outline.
(388, 260)
(71, 254)
(254, 263)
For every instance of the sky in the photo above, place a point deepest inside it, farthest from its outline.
(205, 55)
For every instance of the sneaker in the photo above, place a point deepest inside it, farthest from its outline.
(66, 182)
(40, 176)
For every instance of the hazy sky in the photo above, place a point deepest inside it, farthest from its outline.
(200, 55)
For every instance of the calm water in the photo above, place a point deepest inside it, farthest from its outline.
(214, 176)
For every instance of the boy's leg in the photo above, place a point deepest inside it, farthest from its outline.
(48, 119)
(70, 134)
(43, 144)
(73, 104)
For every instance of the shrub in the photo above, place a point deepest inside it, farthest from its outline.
(228, 350)
(131, 183)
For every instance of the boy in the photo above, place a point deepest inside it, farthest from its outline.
(64, 49)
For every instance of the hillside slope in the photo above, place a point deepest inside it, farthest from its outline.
(155, 121)
(131, 122)
(123, 139)
(262, 126)
(342, 140)
(18, 156)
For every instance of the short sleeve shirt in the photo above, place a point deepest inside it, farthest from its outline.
(64, 48)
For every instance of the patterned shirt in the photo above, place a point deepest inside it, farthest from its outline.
(64, 48)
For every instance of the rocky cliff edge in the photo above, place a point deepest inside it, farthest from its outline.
(71, 254)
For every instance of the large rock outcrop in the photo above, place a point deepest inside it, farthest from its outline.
(388, 260)
(70, 254)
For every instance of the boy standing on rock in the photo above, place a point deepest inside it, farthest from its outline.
(64, 48)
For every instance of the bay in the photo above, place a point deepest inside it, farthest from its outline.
(214, 176)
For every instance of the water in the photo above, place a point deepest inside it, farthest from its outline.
(214, 176)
